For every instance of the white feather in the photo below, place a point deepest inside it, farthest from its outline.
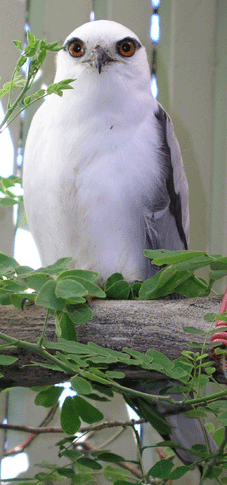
(91, 159)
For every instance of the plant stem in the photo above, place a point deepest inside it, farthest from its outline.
(40, 351)
(22, 109)
(216, 457)
(19, 98)
(68, 369)
(139, 449)
(44, 328)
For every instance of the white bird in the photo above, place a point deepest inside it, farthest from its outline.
(103, 173)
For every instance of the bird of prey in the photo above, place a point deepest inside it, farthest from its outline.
(103, 173)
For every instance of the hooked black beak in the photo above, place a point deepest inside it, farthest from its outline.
(100, 57)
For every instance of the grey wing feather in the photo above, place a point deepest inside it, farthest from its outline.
(166, 225)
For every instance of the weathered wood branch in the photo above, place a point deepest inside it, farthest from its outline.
(116, 324)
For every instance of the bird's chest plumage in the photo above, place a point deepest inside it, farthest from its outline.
(97, 165)
(111, 164)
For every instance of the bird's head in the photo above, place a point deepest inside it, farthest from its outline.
(100, 48)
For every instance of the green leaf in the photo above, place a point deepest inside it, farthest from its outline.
(218, 435)
(18, 44)
(193, 330)
(6, 201)
(68, 330)
(5, 299)
(115, 374)
(161, 469)
(67, 346)
(7, 359)
(89, 463)
(135, 288)
(216, 275)
(81, 385)
(194, 345)
(105, 351)
(97, 397)
(193, 287)
(47, 297)
(79, 300)
(87, 275)
(70, 420)
(92, 289)
(69, 288)
(177, 373)
(48, 366)
(39, 94)
(81, 314)
(215, 405)
(82, 479)
(166, 256)
(119, 290)
(222, 418)
(179, 472)
(18, 299)
(86, 411)
(57, 267)
(108, 456)
(202, 380)
(36, 280)
(123, 482)
(114, 278)
(27, 100)
(162, 283)
(10, 285)
(114, 473)
(196, 413)
(80, 362)
(151, 414)
(22, 270)
(219, 264)
(221, 316)
(73, 455)
(7, 262)
(214, 472)
(161, 359)
(100, 359)
(170, 444)
(66, 472)
(146, 359)
(49, 397)
(209, 317)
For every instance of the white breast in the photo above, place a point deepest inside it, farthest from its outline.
(88, 166)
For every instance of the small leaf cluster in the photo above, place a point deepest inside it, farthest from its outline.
(83, 469)
(32, 57)
(10, 190)
(55, 288)
(176, 276)
(176, 273)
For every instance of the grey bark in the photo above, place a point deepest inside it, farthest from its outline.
(116, 324)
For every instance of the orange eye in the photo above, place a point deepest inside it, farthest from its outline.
(126, 48)
(76, 48)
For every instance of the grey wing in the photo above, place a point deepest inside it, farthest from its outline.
(166, 225)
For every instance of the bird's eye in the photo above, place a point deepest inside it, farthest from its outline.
(76, 48)
(126, 47)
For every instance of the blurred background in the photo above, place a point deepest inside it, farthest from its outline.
(186, 44)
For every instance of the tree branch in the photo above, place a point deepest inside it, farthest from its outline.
(137, 324)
